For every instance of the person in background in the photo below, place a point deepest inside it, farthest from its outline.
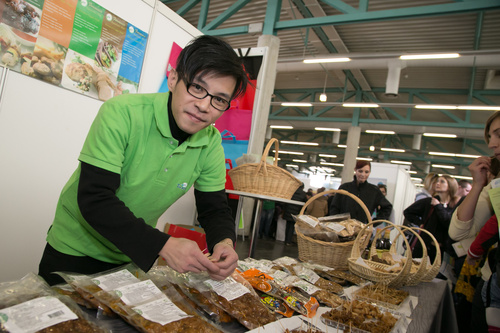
(434, 215)
(292, 209)
(368, 193)
(464, 187)
(318, 207)
(476, 209)
(266, 219)
(382, 188)
(428, 190)
(142, 153)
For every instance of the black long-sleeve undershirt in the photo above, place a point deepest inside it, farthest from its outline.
(111, 218)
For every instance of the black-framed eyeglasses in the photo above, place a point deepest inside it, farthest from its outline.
(199, 92)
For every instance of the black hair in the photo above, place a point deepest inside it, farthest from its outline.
(211, 55)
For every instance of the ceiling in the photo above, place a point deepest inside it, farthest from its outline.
(373, 34)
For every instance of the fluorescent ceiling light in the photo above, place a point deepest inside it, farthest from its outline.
(401, 162)
(467, 156)
(441, 154)
(453, 155)
(372, 148)
(334, 164)
(440, 135)
(438, 107)
(292, 166)
(296, 104)
(322, 97)
(393, 150)
(299, 161)
(326, 155)
(478, 107)
(321, 60)
(289, 152)
(429, 56)
(442, 166)
(281, 126)
(416, 179)
(327, 129)
(364, 159)
(300, 143)
(462, 177)
(412, 172)
(342, 146)
(379, 132)
(360, 105)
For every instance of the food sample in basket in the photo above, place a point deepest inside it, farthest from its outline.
(335, 232)
(382, 293)
(360, 315)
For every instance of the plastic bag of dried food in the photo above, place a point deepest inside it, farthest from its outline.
(234, 298)
(261, 281)
(162, 274)
(151, 308)
(310, 276)
(346, 230)
(88, 285)
(311, 227)
(335, 275)
(67, 290)
(30, 305)
(335, 218)
(263, 265)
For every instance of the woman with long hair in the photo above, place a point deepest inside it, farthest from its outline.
(370, 194)
(434, 215)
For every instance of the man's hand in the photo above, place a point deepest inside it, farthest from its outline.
(184, 255)
(225, 258)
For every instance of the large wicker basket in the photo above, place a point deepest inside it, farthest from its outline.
(375, 271)
(263, 178)
(330, 254)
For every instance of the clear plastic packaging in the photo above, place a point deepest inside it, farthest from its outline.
(30, 305)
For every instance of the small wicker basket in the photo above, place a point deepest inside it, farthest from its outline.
(263, 178)
(415, 275)
(330, 254)
(375, 271)
(432, 270)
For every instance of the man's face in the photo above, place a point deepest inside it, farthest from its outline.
(193, 114)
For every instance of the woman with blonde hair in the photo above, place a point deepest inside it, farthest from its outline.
(434, 214)
(428, 190)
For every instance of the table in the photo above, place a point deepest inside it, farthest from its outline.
(435, 311)
(258, 210)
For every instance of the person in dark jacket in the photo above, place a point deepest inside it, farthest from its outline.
(291, 209)
(370, 194)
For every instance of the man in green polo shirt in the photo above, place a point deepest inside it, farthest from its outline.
(142, 153)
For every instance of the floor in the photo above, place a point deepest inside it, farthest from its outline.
(265, 249)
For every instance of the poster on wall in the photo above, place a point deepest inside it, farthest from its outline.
(73, 44)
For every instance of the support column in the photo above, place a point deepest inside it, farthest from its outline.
(351, 152)
(260, 113)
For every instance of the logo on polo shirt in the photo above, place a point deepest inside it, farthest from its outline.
(182, 186)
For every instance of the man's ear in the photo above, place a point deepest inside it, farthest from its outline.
(172, 79)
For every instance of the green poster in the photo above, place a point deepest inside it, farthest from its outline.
(87, 28)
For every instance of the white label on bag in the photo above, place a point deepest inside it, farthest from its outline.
(35, 315)
(334, 226)
(306, 274)
(306, 286)
(115, 280)
(228, 288)
(161, 311)
(309, 220)
(137, 293)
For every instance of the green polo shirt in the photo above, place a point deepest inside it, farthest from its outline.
(131, 136)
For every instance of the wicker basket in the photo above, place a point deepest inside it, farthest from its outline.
(263, 178)
(414, 276)
(330, 254)
(432, 270)
(375, 271)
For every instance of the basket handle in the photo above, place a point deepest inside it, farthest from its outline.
(343, 192)
(264, 156)
(393, 247)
